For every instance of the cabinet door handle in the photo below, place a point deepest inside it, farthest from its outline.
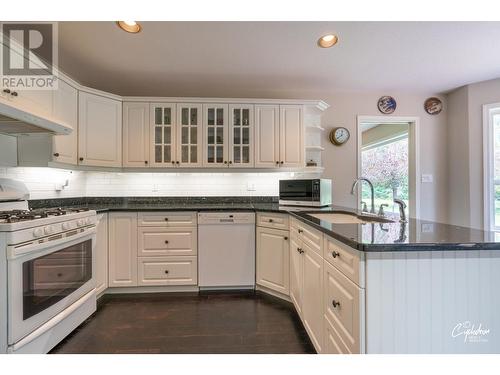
(335, 254)
(56, 154)
(299, 230)
(300, 250)
(81, 159)
(335, 304)
(166, 241)
(166, 271)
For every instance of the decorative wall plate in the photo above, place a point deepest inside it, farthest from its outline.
(433, 106)
(386, 104)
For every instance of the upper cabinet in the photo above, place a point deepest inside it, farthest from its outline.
(189, 135)
(241, 136)
(279, 136)
(100, 130)
(65, 109)
(162, 135)
(215, 120)
(136, 147)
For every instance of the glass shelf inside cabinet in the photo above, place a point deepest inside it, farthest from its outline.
(163, 135)
(189, 135)
(215, 135)
(241, 136)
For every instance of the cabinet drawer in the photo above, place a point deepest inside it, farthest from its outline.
(311, 237)
(333, 341)
(272, 220)
(345, 259)
(167, 271)
(167, 219)
(157, 241)
(342, 306)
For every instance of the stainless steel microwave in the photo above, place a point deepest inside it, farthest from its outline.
(311, 192)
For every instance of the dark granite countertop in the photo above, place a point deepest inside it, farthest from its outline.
(415, 235)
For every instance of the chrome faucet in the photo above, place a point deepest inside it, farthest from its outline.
(372, 210)
(402, 213)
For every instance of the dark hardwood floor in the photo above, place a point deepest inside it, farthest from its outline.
(242, 322)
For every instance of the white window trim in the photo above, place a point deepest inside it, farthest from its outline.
(489, 110)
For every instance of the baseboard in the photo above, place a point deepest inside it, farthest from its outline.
(151, 289)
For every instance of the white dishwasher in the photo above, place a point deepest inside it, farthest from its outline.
(226, 250)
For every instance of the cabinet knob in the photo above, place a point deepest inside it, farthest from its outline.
(166, 241)
(281, 162)
(299, 230)
(166, 271)
(59, 274)
(13, 93)
(277, 162)
(177, 162)
(145, 162)
(56, 154)
(335, 254)
(285, 238)
(166, 219)
(300, 250)
(7, 91)
(335, 303)
(81, 159)
(225, 161)
(173, 162)
(230, 162)
(270, 220)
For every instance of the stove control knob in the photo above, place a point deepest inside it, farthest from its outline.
(38, 232)
(48, 229)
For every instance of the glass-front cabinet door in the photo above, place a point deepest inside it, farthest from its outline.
(215, 135)
(189, 126)
(163, 152)
(241, 136)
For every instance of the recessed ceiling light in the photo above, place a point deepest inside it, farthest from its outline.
(328, 40)
(129, 26)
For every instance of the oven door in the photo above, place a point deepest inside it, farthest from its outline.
(46, 278)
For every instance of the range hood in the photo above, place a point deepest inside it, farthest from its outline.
(16, 121)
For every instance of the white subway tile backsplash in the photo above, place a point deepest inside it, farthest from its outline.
(42, 183)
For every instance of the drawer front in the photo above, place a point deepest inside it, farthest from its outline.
(154, 241)
(344, 259)
(167, 271)
(333, 341)
(167, 219)
(311, 237)
(345, 315)
(272, 220)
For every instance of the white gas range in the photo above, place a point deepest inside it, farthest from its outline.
(47, 263)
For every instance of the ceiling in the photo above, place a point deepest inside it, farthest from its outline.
(278, 59)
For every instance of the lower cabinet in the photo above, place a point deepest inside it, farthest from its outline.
(173, 270)
(101, 254)
(273, 259)
(343, 301)
(296, 274)
(122, 249)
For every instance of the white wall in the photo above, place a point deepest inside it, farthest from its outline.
(465, 129)
(341, 162)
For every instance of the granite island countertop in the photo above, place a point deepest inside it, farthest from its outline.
(414, 235)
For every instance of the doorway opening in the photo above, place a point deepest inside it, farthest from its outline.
(387, 157)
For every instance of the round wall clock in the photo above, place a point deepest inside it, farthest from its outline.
(386, 105)
(339, 136)
(433, 106)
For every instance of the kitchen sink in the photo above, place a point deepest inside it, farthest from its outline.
(347, 218)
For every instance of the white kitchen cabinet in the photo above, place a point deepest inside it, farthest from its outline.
(167, 219)
(273, 259)
(189, 135)
(174, 270)
(162, 134)
(136, 140)
(312, 298)
(342, 301)
(241, 136)
(267, 135)
(296, 274)
(122, 249)
(158, 241)
(215, 138)
(65, 147)
(291, 142)
(100, 130)
(101, 254)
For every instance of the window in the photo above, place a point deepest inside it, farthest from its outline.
(491, 142)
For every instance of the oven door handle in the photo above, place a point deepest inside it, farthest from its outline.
(36, 248)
